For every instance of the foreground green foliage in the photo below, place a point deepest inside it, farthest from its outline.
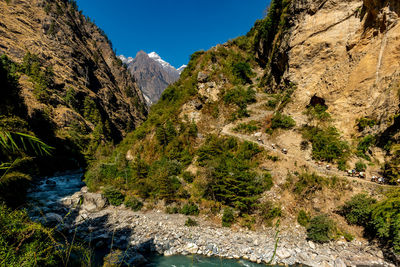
(25, 243)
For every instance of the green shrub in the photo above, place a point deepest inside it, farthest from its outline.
(308, 184)
(172, 210)
(269, 211)
(282, 121)
(241, 98)
(190, 209)
(358, 209)
(90, 111)
(348, 236)
(364, 145)
(303, 218)
(114, 196)
(268, 182)
(228, 217)
(70, 99)
(318, 112)
(248, 221)
(385, 220)
(190, 222)
(326, 143)
(242, 72)
(273, 102)
(247, 128)
(360, 166)
(321, 229)
(365, 122)
(188, 177)
(133, 203)
(231, 179)
(41, 77)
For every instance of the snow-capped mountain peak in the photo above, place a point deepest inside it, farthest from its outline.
(125, 60)
(152, 74)
(156, 57)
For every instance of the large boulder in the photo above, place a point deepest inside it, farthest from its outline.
(93, 202)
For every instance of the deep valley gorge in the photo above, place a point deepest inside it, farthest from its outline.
(278, 147)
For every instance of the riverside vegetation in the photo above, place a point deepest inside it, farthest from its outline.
(209, 148)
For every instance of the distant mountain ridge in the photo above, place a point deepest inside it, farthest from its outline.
(152, 73)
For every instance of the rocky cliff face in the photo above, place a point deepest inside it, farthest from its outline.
(152, 74)
(346, 53)
(90, 87)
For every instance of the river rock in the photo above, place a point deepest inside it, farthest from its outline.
(283, 253)
(191, 248)
(339, 263)
(53, 217)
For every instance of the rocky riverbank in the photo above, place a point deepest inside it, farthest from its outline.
(139, 233)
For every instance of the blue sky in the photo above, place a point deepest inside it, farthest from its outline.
(172, 28)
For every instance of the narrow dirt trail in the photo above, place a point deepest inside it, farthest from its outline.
(257, 114)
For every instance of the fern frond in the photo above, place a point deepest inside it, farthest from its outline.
(16, 141)
(14, 176)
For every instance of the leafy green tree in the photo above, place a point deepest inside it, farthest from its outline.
(327, 144)
(385, 220)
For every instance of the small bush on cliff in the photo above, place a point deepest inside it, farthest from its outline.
(365, 122)
(228, 217)
(318, 112)
(364, 145)
(114, 196)
(321, 229)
